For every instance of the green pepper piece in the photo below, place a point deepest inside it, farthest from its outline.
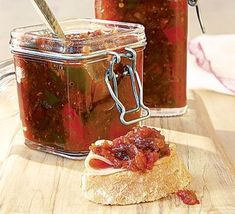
(53, 76)
(49, 100)
(132, 4)
(79, 77)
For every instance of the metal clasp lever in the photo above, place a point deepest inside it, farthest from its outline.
(110, 76)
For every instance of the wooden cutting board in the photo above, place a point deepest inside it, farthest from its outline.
(35, 182)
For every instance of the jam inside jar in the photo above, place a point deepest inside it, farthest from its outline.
(65, 104)
(165, 54)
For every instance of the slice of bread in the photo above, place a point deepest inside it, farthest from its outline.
(167, 176)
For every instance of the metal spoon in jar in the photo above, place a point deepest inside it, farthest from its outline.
(48, 17)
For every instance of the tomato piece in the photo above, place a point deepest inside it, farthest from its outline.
(73, 127)
(117, 129)
(188, 197)
(99, 164)
(178, 6)
(175, 34)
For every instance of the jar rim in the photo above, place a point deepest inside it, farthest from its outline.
(114, 35)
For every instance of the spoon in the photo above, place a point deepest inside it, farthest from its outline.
(48, 17)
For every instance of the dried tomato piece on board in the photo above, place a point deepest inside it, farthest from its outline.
(188, 197)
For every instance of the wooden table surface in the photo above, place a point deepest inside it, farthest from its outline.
(35, 182)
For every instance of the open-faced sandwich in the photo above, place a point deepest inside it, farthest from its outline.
(137, 167)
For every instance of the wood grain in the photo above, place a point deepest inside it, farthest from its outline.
(35, 182)
(221, 112)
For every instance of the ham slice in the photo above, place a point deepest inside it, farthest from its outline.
(102, 171)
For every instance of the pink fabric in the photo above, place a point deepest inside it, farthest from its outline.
(216, 55)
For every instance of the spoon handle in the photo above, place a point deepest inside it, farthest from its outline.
(48, 17)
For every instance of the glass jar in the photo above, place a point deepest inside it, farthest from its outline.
(74, 91)
(165, 55)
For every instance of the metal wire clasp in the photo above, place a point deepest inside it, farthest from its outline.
(194, 3)
(129, 70)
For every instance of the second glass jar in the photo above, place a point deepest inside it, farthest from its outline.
(166, 52)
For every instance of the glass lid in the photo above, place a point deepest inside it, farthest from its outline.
(83, 37)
